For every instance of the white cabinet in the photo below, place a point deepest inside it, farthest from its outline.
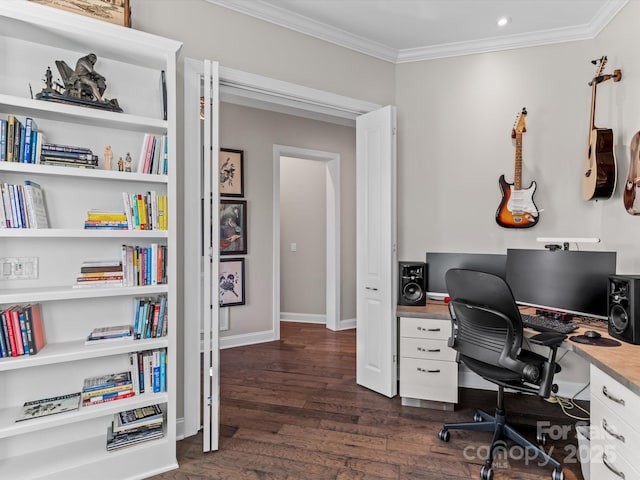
(73, 444)
(428, 367)
(615, 429)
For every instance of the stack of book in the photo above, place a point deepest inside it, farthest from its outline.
(153, 155)
(100, 274)
(149, 370)
(110, 334)
(22, 206)
(135, 426)
(150, 317)
(67, 155)
(144, 265)
(107, 388)
(145, 211)
(21, 330)
(106, 219)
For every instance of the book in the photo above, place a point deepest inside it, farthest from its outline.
(108, 397)
(66, 148)
(3, 140)
(117, 441)
(138, 417)
(49, 406)
(11, 134)
(36, 205)
(29, 127)
(163, 86)
(107, 391)
(37, 326)
(108, 380)
(107, 334)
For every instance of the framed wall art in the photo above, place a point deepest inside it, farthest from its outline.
(114, 11)
(231, 284)
(233, 227)
(231, 172)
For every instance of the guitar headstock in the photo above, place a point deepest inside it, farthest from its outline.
(600, 63)
(519, 126)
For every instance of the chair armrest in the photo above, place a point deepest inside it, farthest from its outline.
(548, 339)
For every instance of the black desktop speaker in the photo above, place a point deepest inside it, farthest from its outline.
(623, 305)
(412, 288)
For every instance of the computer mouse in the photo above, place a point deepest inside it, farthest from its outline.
(592, 334)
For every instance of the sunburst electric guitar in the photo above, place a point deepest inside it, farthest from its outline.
(599, 173)
(517, 209)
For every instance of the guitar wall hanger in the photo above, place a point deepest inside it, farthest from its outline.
(616, 76)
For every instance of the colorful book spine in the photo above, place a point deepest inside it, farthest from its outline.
(29, 128)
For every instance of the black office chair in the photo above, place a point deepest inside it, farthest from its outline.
(487, 333)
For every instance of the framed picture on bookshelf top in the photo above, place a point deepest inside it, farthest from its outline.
(231, 284)
(114, 11)
(231, 172)
(232, 216)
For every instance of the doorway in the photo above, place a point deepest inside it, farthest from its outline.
(332, 229)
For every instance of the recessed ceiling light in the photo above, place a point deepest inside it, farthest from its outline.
(502, 21)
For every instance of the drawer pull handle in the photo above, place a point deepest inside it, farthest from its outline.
(606, 393)
(430, 350)
(433, 330)
(606, 428)
(371, 288)
(428, 371)
(610, 467)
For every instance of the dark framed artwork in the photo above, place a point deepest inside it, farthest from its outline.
(233, 227)
(231, 283)
(231, 172)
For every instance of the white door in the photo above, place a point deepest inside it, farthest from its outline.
(211, 330)
(376, 269)
(201, 316)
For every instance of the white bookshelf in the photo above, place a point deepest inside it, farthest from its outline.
(72, 445)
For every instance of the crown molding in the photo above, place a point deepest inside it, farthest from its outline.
(292, 21)
(301, 24)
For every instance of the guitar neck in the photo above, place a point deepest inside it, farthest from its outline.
(517, 176)
(592, 121)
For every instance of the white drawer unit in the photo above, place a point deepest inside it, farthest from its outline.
(615, 428)
(428, 367)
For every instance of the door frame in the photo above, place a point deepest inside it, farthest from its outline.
(257, 91)
(332, 162)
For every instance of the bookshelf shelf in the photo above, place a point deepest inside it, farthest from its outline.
(73, 114)
(95, 174)
(77, 350)
(80, 233)
(9, 426)
(73, 444)
(90, 452)
(48, 294)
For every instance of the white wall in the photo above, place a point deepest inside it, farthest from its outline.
(255, 132)
(303, 214)
(455, 119)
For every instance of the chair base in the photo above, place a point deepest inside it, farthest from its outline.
(483, 422)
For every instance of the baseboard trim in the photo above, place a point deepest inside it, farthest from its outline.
(347, 324)
(303, 317)
(247, 339)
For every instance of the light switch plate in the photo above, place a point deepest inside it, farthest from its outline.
(18, 268)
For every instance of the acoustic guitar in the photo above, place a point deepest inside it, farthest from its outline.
(631, 200)
(517, 209)
(599, 174)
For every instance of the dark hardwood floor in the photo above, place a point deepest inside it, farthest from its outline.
(292, 410)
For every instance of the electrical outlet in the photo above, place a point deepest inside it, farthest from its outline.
(18, 268)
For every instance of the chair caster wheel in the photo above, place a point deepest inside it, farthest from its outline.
(557, 475)
(541, 438)
(444, 435)
(486, 473)
(477, 417)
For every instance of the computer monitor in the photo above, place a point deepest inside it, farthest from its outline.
(568, 281)
(439, 262)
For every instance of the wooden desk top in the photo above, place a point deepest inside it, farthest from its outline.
(621, 363)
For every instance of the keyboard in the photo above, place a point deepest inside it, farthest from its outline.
(547, 324)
